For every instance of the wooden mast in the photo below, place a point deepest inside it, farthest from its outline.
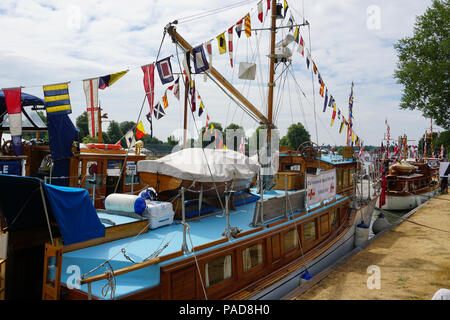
(271, 83)
(212, 71)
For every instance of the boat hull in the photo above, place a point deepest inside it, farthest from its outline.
(342, 245)
(407, 201)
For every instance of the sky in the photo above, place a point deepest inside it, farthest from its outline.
(50, 41)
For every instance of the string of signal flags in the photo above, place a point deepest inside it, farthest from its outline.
(57, 100)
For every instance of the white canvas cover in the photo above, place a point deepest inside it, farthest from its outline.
(192, 164)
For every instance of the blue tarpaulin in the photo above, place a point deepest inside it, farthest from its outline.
(62, 133)
(75, 214)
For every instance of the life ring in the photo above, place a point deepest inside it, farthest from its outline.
(104, 146)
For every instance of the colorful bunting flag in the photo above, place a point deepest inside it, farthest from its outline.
(13, 100)
(165, 70)
(108, 80)
(308, 58)
(230, 44)
(291, 23)
(175, 88)
(221, 42)
(140, 132)
(314, 67)
(268, 6)
(129, 139)
(248, 25)
(57, 100)
(260, 11)
(90, 87)
(149, 83)
(187, 67)
(334, 115)
(286, 7)
(297, 34)
(342, 125)
(165, 101)
(149, 118)
(158, 111)
(301, 47)
(200, 63)
(239, 27)
(207, 124)
(193, 106)
(200, 108)
(326, 100)
(208, 46)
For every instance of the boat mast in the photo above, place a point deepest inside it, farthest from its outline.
(271, 83)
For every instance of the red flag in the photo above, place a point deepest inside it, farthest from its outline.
(13, 100)
(149, 84)
(260, 11)
(268, 6)
(230, 44)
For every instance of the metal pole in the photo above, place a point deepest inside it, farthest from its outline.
(261, 190)
(184, 247)
(93, 189)
(227, 212)
(132, 182)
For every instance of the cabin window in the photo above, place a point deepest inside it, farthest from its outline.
(290, 239)
(252, 256)
(309, 230)
(345, 178)
(334, 218)
(218, 270)
(339, 177)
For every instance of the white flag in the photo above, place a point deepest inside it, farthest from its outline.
(91, 90)
(129, 138)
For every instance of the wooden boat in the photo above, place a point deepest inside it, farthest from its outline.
(409, 184)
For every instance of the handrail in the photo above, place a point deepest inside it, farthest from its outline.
(106, 275)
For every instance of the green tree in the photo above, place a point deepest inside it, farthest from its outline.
(114, 133)
(424, 64)
(82, 125)
(296, 135)
(126, 126)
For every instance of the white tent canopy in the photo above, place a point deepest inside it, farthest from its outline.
(203, 165)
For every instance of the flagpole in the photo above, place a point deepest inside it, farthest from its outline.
(271, 83)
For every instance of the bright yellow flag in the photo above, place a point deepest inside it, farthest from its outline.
(222, 43)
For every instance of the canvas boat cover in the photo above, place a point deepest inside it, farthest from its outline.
(21, 206)
(203, 165)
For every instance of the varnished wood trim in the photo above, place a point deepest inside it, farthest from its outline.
(210, 244)
(246, 233)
